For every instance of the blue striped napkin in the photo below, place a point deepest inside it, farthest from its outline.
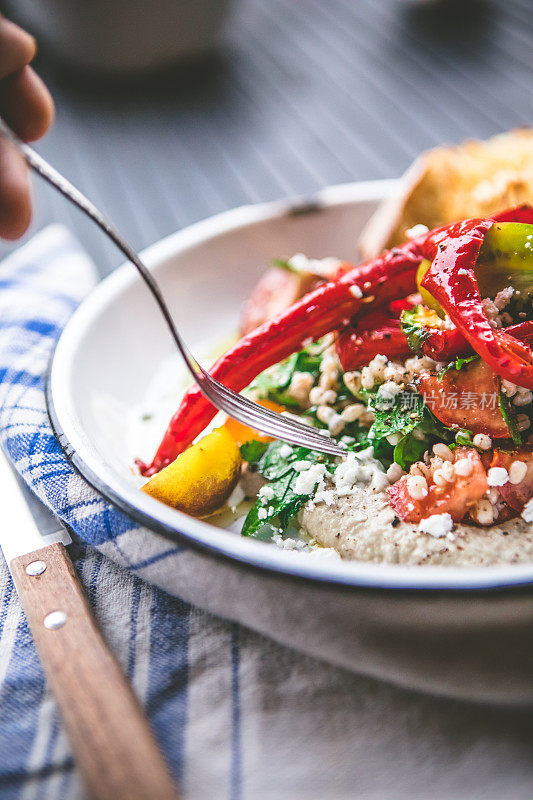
(237, 715)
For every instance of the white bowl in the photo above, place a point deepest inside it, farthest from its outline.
(462, 631)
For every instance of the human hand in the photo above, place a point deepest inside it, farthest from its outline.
(26, 105)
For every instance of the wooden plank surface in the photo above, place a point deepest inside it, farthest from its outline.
(303, 94)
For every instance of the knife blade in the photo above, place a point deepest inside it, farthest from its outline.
(109, 734)
(28, 524)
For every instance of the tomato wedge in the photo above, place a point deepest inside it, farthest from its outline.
(516, 495)
(466, 398)
(453, 498)
(276, 290)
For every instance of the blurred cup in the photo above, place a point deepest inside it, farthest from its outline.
(122, 36)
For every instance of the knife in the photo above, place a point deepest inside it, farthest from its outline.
(109, 734)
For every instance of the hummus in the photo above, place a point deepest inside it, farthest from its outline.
(363, 527)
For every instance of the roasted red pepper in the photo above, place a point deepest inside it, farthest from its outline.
(452, 281)
(375, 333)
(445, 345)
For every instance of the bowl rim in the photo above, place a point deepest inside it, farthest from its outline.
(195, 532)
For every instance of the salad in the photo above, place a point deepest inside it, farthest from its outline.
(419, 363)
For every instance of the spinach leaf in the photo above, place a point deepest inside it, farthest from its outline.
(509, 416)
(284, 504)
(409, 450)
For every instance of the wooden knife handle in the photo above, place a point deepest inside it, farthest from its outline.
(110, 737)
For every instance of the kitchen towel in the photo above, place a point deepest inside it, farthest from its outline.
(237, 715)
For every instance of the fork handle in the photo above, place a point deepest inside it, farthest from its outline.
(110, 737)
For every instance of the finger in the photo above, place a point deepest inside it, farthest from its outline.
(17, 48)
(26, 104)
(15, 201)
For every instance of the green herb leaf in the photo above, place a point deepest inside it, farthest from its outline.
(283, 506)
(509, 416)
(414, 331)
(401, 415)
(283, 263)
(458, 364)
(285, 503)
(407, 412)
(409, 450)
(253, 451)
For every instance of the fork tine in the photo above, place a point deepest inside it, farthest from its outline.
(270, 422)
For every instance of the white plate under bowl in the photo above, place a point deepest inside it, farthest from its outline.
(110, 352)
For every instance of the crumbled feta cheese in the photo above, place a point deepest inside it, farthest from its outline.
(491, 312)
(388, 390)
(262, 513)
(394, 472)
(527, 513)
(416, 230)
(355, 291)
(437, 525)
(285, 450)
(326, 496)
(462, 271)
(503, 297)
(265, 494)
(301, 466)
(307, 480)
(497, 476)
(326, 267)
(517, 472)
(463, 467)
(443, 451)
(482, 441)
(417, 487)
(294, 545)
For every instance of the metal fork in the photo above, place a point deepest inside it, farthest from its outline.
(235, 405)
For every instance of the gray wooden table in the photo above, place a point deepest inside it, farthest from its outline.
(304, 93)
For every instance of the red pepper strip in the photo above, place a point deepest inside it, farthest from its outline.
(522, 213)
(448, 344)
(375, 333)
(326, 309)
(451, 280)
(397, 306)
